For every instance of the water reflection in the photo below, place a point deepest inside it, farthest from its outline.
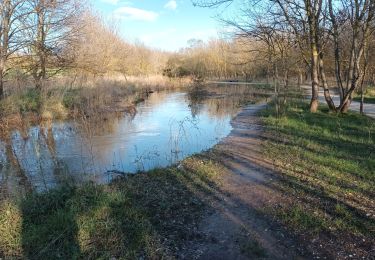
(167, 127)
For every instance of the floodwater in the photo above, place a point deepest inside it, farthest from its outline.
(167, 127)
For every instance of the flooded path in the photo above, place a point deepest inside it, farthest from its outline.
(168, 127)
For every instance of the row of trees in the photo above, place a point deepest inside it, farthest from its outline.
(35, 35)
(218, 59)
(327, 38)
(332, 40)
(40, 39)
(100, 51)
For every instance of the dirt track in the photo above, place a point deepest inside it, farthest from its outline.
(237, 227)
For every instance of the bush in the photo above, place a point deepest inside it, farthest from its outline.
(30, 101)
(71, 98)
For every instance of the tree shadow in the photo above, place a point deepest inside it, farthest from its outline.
(49, 228)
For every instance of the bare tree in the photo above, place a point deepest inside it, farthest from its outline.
(53, 30)
(12, 13)
(304, 18)
(359, 18)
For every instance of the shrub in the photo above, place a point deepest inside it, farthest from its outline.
(71, 98)
(30, 101)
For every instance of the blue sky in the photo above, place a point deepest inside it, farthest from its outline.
(162, 24)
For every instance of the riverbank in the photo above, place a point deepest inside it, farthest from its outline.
(187, 211)
(145, 215)
(67, 99)
(327, 170)
(287, 185)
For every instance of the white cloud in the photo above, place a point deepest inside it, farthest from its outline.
(172, 5)
(132, 13)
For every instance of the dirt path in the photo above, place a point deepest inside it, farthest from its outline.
(237, 227)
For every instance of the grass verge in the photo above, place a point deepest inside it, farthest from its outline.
(328, 166)
(141, 216)
(369, 96)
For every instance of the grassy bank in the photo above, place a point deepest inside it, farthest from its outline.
(369, 96)
(328, 169)
(145, 215)
(64, 98)
(324, 173)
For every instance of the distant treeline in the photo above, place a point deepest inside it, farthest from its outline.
(330, 41)
(40, 40)
(327, 43)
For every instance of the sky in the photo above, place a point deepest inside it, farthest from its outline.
(160, 24)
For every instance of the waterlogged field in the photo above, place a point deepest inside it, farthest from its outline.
(168, 127)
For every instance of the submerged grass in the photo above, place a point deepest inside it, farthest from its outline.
(328, 164)
(63, 99)
(141, 216)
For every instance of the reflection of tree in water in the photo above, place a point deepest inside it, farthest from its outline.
(14, 181)
(59, 169)
(196, 96)
(30, 154)
(34, 154)
(98, 125)
(222, 100)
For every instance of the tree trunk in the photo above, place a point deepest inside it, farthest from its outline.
(1, 85)
(346, 105)
(286, 84)
(5, 24)
(38, 83)
(276, 82)
(337, 52)
(41, 46)
(361, 110)
(327, 95)
(314, 103)
(300, 79)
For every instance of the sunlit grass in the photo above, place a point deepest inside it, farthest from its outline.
(369, 96)
(141, 216)
(328, 162)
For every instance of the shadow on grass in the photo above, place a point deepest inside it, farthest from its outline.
(327, 162)
(154, 215)
(145, 215)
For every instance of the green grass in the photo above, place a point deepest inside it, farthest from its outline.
(328, 165)
(29, 100)
(252, 249)
(71, 98)
(142, 216)
(369, 96)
